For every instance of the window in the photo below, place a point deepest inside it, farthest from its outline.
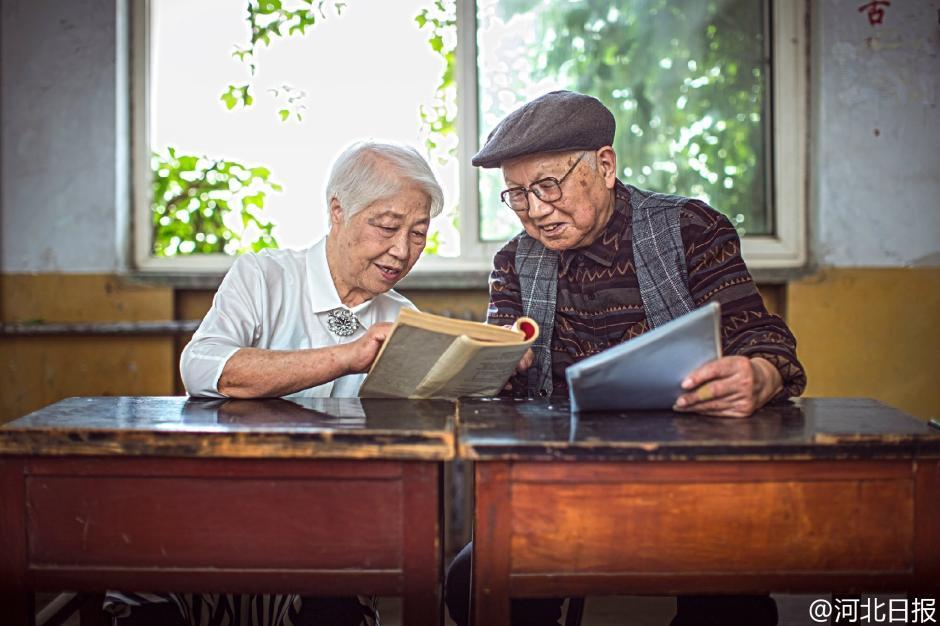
(239, 113)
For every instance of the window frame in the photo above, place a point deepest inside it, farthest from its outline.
(785, 250)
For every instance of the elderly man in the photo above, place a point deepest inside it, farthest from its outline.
(307, 323)
(600, 262)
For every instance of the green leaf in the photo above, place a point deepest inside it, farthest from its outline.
(284, 113)
(266, 7)
(254, 200)
(229, 100)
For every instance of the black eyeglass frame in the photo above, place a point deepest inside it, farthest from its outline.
(532, 188)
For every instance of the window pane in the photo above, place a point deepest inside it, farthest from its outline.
(687, 81)
(358, 70)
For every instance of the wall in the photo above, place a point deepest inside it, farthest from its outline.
(865, 319)
(64, 161)
(877, 132)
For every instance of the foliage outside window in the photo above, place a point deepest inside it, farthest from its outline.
(686, 80)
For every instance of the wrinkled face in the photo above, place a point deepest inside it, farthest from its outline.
(578, 217)
(379, 245)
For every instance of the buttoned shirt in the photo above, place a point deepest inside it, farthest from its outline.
(599, 304)
(278, 300)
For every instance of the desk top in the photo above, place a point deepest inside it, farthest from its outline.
(278, 428)
(821, 428)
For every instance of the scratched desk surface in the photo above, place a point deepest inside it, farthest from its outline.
(182, 427)
(820, 428)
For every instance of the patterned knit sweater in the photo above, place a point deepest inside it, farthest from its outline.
(599, 302)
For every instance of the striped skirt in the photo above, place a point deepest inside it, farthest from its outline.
(249, 609)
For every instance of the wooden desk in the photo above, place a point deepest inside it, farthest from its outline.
(320, 497)
(828, 495)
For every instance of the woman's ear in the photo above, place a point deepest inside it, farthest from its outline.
(607, 165)
(336, 213)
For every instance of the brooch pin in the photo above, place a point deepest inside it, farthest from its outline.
(342, 322)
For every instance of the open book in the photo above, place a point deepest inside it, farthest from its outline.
(429, 356)
(646, 372)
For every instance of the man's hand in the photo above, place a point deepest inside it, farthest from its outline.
(525, 362)
(358, 355)
(732, 386)
(522, 366)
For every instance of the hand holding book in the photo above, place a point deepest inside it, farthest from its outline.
(731, 386)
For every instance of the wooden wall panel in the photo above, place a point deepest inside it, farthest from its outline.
(40, 370)
(861, 332)
(81, 298)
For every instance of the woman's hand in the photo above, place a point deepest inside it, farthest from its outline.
(732, 386)
(358, 355)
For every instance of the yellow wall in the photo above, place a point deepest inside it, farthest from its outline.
(41, 370)
(861, 332)
(870, 332)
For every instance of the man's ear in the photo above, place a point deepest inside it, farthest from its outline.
(607, 165)
(336, 213)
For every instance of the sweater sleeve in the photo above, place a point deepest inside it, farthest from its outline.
(717, 273)
(505, 305)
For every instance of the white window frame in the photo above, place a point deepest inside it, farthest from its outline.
(786, 249)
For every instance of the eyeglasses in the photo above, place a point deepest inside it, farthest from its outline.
(545, 189)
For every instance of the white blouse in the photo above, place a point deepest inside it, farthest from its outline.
(278, 300)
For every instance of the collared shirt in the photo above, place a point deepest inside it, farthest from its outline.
(599, 304)
(278, 300)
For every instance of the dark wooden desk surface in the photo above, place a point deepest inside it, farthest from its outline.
(823, 495)
(815, 428)
(271, 428)
(322, 497)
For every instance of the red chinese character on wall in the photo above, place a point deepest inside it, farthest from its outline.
(876, 14)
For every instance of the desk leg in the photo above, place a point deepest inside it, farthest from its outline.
(19, 608)
(927, 523)
(491, 544)
(423, 555)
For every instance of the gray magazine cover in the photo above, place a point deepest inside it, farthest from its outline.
(647, 371)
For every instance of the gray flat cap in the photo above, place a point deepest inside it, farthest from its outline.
(560, 120)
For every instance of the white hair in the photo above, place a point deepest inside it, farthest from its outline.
(361, 176)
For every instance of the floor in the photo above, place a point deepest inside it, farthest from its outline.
(793, 610)
(621, 610)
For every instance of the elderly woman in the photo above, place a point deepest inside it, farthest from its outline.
(308, 323)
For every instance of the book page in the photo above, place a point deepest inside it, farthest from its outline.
(449, 365)
(484, 374)
(404, 363)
